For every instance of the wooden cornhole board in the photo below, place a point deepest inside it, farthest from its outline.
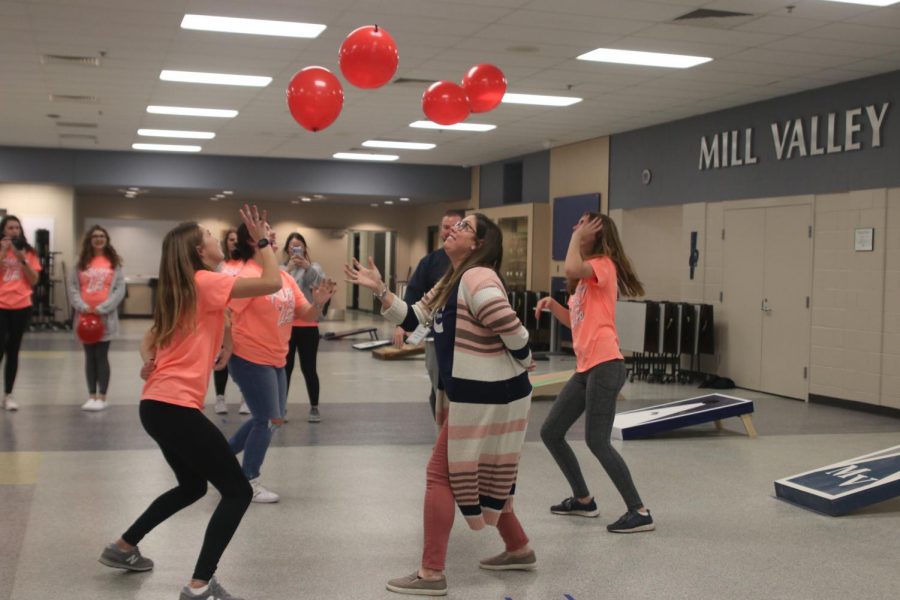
(712, 408)
(845, 486)
(393, 353)
(549, 384)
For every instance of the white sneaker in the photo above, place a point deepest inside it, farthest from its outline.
(243, 409)
(10, 404)
(100, 404)
(261, 494)
(89, 405)
(221, 407)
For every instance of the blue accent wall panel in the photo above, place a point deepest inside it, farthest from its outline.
(566, 212)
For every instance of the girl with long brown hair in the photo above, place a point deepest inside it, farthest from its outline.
(598, 270)
(179, 351)
(19, 269)
(484, 396)
(97, 286)
(230, 266)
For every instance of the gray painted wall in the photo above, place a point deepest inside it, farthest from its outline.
(535, 179)
(242, 174)
(672, 151)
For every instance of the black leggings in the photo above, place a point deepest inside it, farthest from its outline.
(96, 367)
(305, 342)
(220, 378)
(197, 452)
(12, 327)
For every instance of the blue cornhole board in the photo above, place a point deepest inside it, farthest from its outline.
(644, 422)
(845, 486)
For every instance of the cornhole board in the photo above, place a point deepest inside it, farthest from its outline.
(549, 384)
(371, 345)
(392, 353)
(845, 486)
(712, 408)
(339, 335)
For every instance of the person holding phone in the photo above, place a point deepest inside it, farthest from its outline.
(304, 334)
(230, 266)
(19, 268)
(97, 286)
(179, 351)
(598, 271)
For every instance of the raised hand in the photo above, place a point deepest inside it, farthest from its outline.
(368, 277)
(588, 227)
(256, 223)
(324, 292)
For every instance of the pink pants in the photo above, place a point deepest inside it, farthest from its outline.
(440, 508)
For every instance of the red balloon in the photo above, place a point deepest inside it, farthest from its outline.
(90, 328)
(445, 103)
(485, 86)
(315, 98)
(369, 57)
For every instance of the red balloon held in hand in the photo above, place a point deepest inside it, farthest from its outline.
(315, 98)
(369, 57)
(445, 103)
(90, 328)
(485, 86)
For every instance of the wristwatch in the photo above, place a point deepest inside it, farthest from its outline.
(382, 294)
(262, 243)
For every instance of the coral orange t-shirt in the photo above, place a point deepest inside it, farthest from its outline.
(231, 267)
(261, 326)
(592, 309)
(183, 367)
(96, 281)
(15, 291)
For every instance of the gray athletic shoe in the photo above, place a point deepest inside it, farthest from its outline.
(416, 586)
(213, 592)
(130, 561)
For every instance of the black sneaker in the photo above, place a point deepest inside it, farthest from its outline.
(571, 506)
(130, 561)
(632, 522)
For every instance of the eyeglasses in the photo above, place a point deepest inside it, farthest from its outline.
(463, 226)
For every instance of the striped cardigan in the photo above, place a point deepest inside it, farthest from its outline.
(489, 392)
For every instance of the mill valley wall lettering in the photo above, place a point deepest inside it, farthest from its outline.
(850, 130)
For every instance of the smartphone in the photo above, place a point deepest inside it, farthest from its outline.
(298, 251)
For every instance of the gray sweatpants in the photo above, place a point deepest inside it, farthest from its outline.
(594, 393)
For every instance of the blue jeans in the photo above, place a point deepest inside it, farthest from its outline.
(265, 390)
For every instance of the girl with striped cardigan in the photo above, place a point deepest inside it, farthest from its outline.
(483, 404)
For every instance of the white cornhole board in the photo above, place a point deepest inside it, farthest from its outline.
(845, 486)
(681, 413)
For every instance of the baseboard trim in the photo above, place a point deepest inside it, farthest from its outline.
(876, 409)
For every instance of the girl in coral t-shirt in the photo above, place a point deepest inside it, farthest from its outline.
(97, 286)
(230, 266)
(261, 331)
(179, 352)
(598, 270)
(19, 268)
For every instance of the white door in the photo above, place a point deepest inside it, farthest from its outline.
(786, 291)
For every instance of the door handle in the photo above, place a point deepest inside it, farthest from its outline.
(765, 306)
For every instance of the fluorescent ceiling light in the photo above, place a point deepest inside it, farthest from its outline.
(867, 2)
(404, 199)
(166, 147)
(649, 59)
(215, 78)
(305, 199)
(388, 202)
(397, 145)
(364, 156)
(539, 100)
(175, 133)
(456, 127)
(252, 26)
(185, 111)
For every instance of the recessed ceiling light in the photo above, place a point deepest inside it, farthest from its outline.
(374, 204)
(539, 100)
(215, 78)
(456, 127)
(398, 145)
(388, 202)
(305, 199)
(130, 195)
(649, 59)
(404, 199)
(133, 189)
(176, 133)
(364, 156)
(868, 2)
(227, 192)
(319, 196)
(166, 147)
(295, 202)
(214, 199)
(252, 26)
(186, 111)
